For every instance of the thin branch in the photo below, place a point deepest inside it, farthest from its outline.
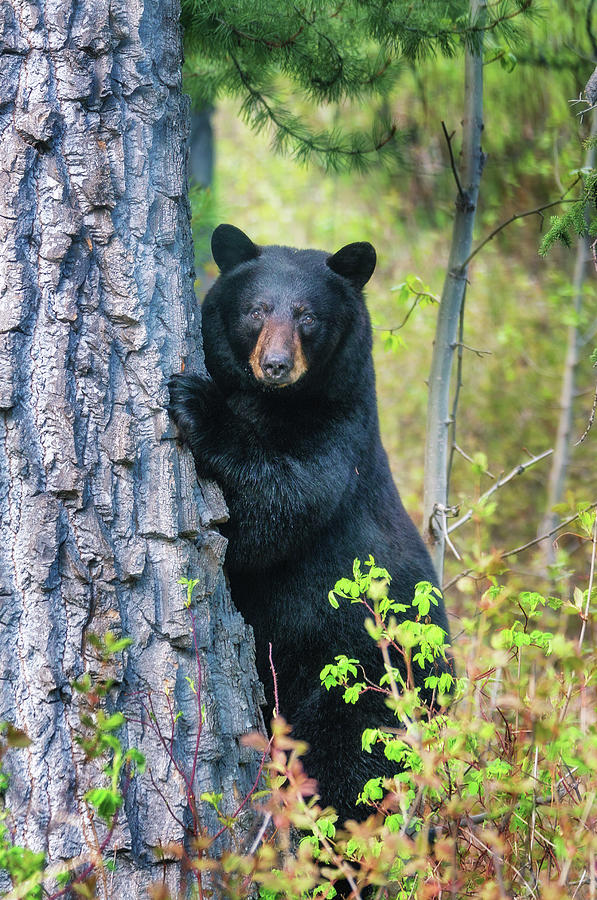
(440, 514)
(266, 820)
(505, 861)
(161, 794)
(275, 680)
(537, 540)
(302, 138)
(567, 864)
(517, 470)
(590, 423)
(471, 460)
(469, 30)
(419, 295)
(272, 45)
(479, 353)
(91, 865)
(190, 794)
(549, 534)
(248, 795)
(538, 211)
(452, 161)
(155, 727)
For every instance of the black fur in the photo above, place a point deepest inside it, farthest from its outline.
(307, 483)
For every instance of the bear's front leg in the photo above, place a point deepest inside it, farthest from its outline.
(198, 409)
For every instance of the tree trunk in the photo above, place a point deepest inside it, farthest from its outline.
(446, 334)
(100, 512)
(563, 448)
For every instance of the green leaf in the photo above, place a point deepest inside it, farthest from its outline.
(112, 722)
(212, 798)
(369, 737)
(105, 801)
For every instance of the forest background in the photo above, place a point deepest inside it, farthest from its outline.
(519, 304)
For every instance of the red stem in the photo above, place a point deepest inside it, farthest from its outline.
(198, 695)
(251, 792)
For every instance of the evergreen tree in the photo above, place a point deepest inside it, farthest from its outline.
(327, 53)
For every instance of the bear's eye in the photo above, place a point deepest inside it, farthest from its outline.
(307, 319)
(256, 314)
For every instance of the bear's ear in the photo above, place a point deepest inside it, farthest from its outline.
(230, 247)
(355, 262)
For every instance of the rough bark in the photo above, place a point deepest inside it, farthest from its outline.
(446, 334)
(100, 512)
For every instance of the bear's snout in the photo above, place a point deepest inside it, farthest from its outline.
(277, 368)
(277, 359)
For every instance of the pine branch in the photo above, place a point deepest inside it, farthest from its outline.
(327, 145)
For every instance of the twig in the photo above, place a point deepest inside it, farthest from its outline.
(584, 817)
(418, 295)
(383, 646)
(477, 840)
(153, 723)
(580, 883)
(517, 470)
(452, 161)
(161, 794)
(561, 789)
(92, 865)
(100, 861)
(534, 814)
(250, 793)
(480, 353)
(341, 863)
(286, 129)
(275, 679)
(542, 537)
(440, 515)
(271, 45)
(471, 460)
(590, 423)
(537, 540)
(538, 211)
(266, 820)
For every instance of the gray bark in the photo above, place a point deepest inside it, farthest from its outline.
(100, 512)
(446, 334)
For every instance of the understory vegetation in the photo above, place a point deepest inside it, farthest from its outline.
(495, 794)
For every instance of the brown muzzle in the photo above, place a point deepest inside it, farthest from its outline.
(278, 358)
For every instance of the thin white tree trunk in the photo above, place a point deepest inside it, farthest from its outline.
(446, 336)
(563, 447)
(100, 512)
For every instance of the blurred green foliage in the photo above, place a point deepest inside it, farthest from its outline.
(518, 304)
(263, 52)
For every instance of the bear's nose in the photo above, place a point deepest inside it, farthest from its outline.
(277, 368)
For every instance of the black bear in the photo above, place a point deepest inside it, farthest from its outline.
(287, 424)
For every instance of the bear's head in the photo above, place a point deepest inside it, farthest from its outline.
(277, 317)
